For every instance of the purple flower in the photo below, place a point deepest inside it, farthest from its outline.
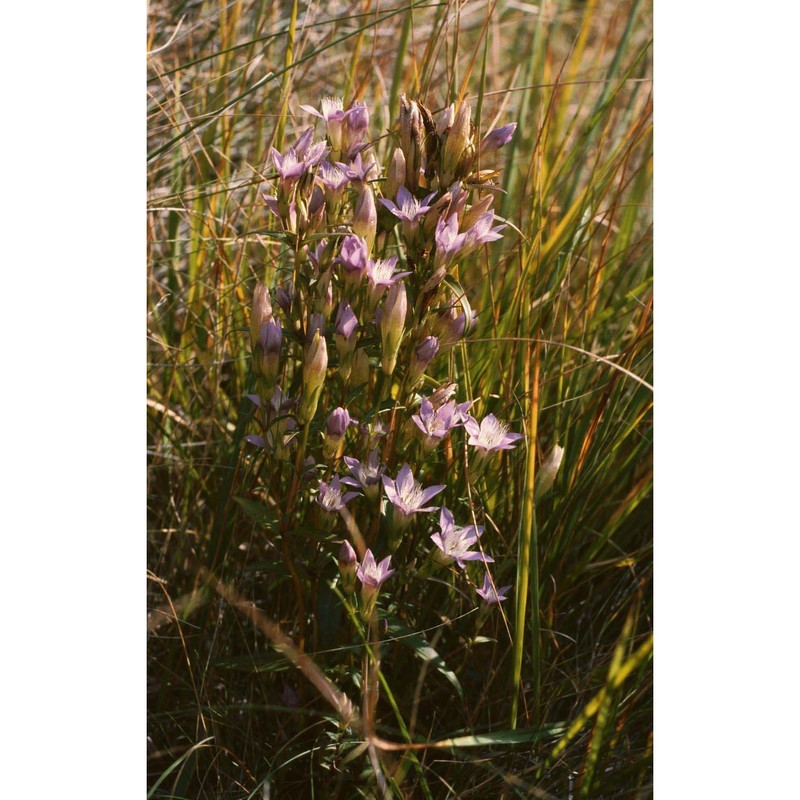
(408, 208)
(344, 334)
(497, 138)
(348, 563)
(315, 323)
(381, 271)
(331, 109)
(357, 171)
(258, 441)
(339, 421)
(346, 321)
(490, 595)
(303, 141)
(455, 542)
(332, 178)
(407, 495)
(435, 424)
(353, 256)
(461, 412)
(423, 354)
(356, 127)
(289, 166)
(372, 577)
(317, 255)
(330, 495)
(284, 295)
(491, 434)
(347, 555)
(334, 116)
(480, 233)
(448, 240)
(335, 428)
(372, 574)
(381, 274)
(358, 117)
(366, 475)
(272, 204)
(268, 350)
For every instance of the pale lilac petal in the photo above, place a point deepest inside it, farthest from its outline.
(405, 480)
(472, 426)
(391, 491)
(430, 492)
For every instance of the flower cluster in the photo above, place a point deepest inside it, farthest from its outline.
(365, 313)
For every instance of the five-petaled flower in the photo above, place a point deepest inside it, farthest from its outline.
(353, 256)
(491, 434)
(374, 574)
(407, 207)
(358, 170)
(330, 495)
(366, 475)
(381, 274)
(491, 595)
(454, 542)
(372, 577)
(407, 495)
(436, 423)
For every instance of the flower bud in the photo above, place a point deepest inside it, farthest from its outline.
(268, 351)
(359, 368)
(548, 470)
(458, 151)
(411, 136)
(424, 353)
(476, 211)
(443, 394)
(261, 313)
(348, 564)
(344, 335)
(432, 284)
(353, 258)
(497, 138)
(396, 174)
(437, 212)
(445, 119)
(365, 217)
(284, 297)
(316, 210)
(392, 323)
(335, 428)
(283, 438)
(315, 323)
(451, 326)
(323, 294)
(355, 129)
(315, 365)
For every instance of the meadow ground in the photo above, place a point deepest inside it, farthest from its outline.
(548, 694)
